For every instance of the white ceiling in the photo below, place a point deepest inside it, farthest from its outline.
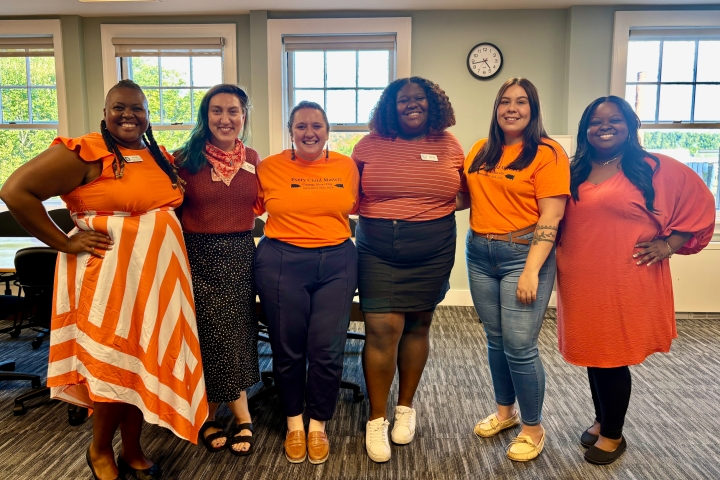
(215, 7)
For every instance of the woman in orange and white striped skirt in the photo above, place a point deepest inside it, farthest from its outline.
(124, 340)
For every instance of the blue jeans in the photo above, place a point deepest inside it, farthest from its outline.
(512, 328)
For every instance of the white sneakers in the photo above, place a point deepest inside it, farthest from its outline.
(404, 428)
(376, 440)
(376, 433)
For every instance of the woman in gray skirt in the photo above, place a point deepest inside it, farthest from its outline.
(411, 173)
(217, 218)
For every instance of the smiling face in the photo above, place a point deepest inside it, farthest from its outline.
(607, 130)
(412, 111)
(126, 116)
(310, 133)
(513, 114)
(226, 118)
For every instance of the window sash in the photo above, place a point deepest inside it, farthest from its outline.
(338, 127)
(689, 34)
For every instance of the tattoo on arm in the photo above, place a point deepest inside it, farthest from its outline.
(544, 236)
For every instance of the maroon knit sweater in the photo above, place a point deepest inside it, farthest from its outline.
(213, 207)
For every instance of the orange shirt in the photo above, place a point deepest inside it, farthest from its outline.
(308, 203)
(503, 200)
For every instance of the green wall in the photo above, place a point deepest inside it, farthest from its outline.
(566, 53)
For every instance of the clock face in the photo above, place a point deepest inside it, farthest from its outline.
(484, 61)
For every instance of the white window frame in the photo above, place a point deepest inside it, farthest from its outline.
(43, 27)
(625, 21)
(277, 60)
(112, 68)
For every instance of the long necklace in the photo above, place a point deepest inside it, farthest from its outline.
(609, 161)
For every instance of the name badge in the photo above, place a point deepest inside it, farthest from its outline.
(427, 156)
(133, 158)
(248, 167)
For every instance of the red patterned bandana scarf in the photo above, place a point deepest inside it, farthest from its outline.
(225, 164)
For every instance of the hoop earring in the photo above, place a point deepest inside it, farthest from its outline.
(292, 149)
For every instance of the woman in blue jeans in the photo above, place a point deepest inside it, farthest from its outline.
(519, 181)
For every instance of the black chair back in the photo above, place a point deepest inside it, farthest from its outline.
(62, 218)
(9, 227)
(35, 268)
(259, 229)
(353, 225)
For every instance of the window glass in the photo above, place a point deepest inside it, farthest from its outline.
(707, 103)
(643, 61)
(643, 98)
(708, 67)
(174, 87)
(674, 80)
(675, 102)
(374, 68)
(309, 69)
(19, 146)
(341, 106)
(698, 149)
(346, 83)
(341, 69)
(678, 61)
(343, 142)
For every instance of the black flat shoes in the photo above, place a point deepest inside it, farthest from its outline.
(152, 473)
(90, 464)
(587, 439)
(601, 457)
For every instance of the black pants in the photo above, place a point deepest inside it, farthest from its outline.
(307, 294)
(610, 388)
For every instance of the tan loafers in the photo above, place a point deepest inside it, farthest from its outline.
(318, 447)
(295, 446)
(523, 449)
(491, 426)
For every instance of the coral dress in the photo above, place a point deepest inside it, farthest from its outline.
(123, 326)
(612, 312)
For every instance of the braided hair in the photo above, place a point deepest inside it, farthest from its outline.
(119, 159)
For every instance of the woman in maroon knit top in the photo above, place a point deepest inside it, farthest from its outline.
(217, 218)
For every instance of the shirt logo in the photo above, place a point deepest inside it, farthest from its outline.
(340, 185)
(294, 185)
(510, 177)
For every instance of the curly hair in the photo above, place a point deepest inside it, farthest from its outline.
(384, 118)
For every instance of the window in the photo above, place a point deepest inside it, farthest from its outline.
(32, 99)
(342, 64)
(345, 75)
(666, 64)
(174, 72)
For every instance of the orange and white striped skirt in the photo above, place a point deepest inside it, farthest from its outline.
(123, 326)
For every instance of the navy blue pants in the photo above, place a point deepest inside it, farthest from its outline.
(307, 294)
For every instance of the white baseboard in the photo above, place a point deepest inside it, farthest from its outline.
(461, 298)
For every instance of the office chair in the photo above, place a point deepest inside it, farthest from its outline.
(35, 268)
(62, 218)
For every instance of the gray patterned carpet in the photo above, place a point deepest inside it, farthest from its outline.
(672, 426)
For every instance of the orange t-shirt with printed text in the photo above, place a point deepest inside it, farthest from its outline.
(503, 200)
(308, 203)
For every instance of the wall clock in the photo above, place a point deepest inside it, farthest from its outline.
(484, 61)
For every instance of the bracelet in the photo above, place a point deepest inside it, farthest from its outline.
(670, 250)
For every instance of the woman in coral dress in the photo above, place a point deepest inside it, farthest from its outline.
(124, 340)
(630, 211)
